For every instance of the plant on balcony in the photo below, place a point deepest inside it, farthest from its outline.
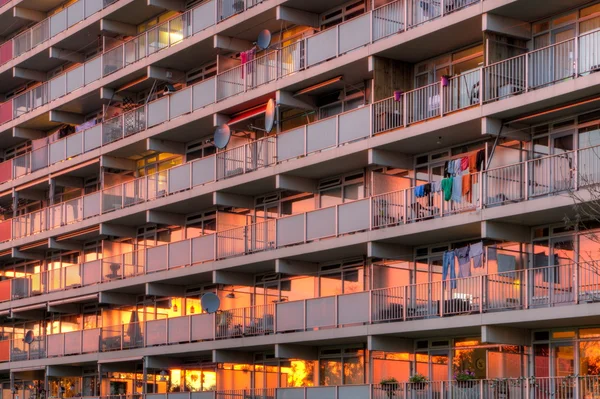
(464, 377)
(418, 381)
(389, 384)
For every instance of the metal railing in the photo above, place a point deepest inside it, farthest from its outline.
(471, 88)
(52, 26)
(543, 176)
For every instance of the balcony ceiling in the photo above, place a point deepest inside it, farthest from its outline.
(8, 82)
(249, 28)
(533, 10)
(316, 6)
(40, 5)
(11, 24)
(433, 42)
(135, 12)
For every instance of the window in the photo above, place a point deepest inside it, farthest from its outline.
(458, 62)
(338, 190)
(341, 366)
(341, 14)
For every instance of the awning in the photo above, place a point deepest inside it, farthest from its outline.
(249, 114)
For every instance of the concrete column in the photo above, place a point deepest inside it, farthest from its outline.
(29, 74)
(28, 15)
(173, 5)
(220, 119)
(286, 98)
(230, 356)
(171, 147)
(235, 200)
(297, 17)
(506, 26)
(117, 163)
(292, 351)
(295, 267)
(115, 298)
(505, 335)
(494, 127)
(118, 28)
(28, 134)
(231, 43)
(296, 183)
(66, 117)
(164, 74)
(166, 218)
(390, 159)
(66, 55)
(159, 289)
(385, 250)
(390, 344)
(505, 231)
(116, 230)
(232, 278)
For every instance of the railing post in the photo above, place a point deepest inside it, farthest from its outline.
(526, 179)
(481, 79)
(441, 309)
(442, 91)
(526, 72)
(576, 41)
(404, 301)
(482, 292)
(405, 207)
(526, 291)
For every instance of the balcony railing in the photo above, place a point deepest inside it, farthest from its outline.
(166, 34)
(518, 182)
(50, 27)
(496, 81)
(532, 288)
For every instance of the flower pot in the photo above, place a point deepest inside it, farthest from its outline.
(418, 386)
(389, 386)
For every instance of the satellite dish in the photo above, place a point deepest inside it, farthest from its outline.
(210, 302)
(264, 39)
(270, 116)
(222, 136)
(28, 337)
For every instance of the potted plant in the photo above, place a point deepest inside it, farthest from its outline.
(463, 378)
(389, 384)
(418, 381)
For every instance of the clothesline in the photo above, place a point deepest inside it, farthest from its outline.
(457, 178)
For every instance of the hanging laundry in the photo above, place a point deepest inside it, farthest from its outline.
(447, 188)
(476, 253)
(436, 186)
(449, 168)
(426, 189)
(464, 163)
(464, 262)
(448, 269)
(243, 59)
(457, 167)
(480, 160)
(457, 189)
(419, 191)
(446, 170)
(473, 162)
(466, 184)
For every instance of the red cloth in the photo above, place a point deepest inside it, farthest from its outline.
(243, 58)
(464, 163)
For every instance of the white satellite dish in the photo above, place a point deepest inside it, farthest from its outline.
(210, 302)
(222, 136)
(270, 116)
(28, 337)
(264, 39)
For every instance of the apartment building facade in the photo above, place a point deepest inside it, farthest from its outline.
(420, 222)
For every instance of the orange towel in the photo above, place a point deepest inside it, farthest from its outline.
(466, 184)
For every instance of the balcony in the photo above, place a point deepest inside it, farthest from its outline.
(165, 35)
(485, 85)
(518, 289)
(50, 27)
